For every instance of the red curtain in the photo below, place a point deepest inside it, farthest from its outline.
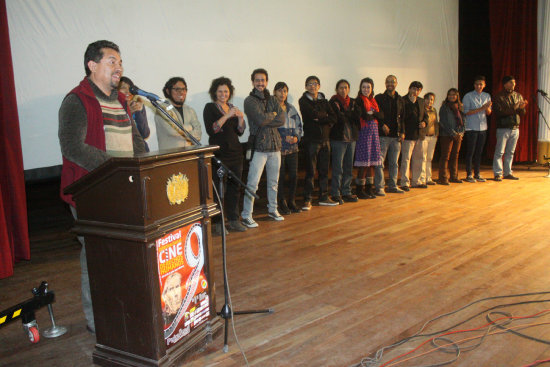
(514, 52)
(14, 237)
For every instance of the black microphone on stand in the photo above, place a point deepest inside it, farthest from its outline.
(150, 96)
(543, 93)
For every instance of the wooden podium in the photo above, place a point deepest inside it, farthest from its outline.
(146, 224)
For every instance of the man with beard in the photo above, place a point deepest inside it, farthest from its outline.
(169, 135)
(391, 105)
(264, 117)
(95, 124)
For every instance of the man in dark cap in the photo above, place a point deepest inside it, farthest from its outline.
(508, 106)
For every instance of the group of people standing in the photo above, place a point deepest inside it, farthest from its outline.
(100, 118)
(342, 132)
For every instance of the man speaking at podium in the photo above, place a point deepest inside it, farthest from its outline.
(95, 124)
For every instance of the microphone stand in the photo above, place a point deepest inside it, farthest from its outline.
(226, 312)
(545, 97)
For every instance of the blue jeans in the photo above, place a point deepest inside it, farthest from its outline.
(317, 158)
(506, 146)
(272, 163)
(390, 147)
(475, 140)
(342, 167)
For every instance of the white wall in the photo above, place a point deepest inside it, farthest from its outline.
(415, 40)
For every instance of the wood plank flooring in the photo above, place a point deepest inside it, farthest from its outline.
(344, 281)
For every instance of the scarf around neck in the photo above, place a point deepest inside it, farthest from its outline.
(456, 113)
(370, 105)
(343, 101)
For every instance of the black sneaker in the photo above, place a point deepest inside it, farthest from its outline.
(350, 198)
(510, 177)
(479, 179)
(293, 207)
(498, 178)
(470, 179)
(421, 186)
(395, 190)
(405, 188)
(326, 201)
(307, 205)
(283, 208)
(337, 199)
(235, 225)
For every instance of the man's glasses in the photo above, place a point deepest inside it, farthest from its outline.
(180, 90)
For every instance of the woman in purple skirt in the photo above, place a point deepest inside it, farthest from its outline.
(367, 150)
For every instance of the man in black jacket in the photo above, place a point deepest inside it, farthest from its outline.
(413, 124)
(391, 105)
(318, 118)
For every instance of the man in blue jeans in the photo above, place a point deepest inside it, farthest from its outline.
(477, 106)
(343, 136)
(264, 117)
(391, 105)
(508, 106)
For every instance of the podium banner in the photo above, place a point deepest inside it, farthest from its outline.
(183, 283)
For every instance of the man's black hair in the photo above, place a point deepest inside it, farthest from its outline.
(259, 71)
(170, 84)
(312, 77)
(94, 52)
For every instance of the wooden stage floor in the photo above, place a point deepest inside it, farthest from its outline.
(344, 281)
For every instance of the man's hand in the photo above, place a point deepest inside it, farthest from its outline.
(136, 106)
(385, 129)
(523, 104)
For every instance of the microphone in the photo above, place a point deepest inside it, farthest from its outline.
(543, 93)
(150, 96)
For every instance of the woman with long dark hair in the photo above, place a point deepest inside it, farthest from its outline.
(367, 149)
(291, 133)
(451, 131)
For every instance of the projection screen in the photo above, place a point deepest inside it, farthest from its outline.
(202, 40)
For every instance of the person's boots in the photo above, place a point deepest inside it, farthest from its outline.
(360, 189)
(369, 191)
(370, 188)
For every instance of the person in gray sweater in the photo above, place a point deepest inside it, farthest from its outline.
(264, 117)
(94, 125)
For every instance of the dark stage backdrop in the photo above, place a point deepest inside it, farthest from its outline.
(498, 38)
(514, 51)
(14, 237)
